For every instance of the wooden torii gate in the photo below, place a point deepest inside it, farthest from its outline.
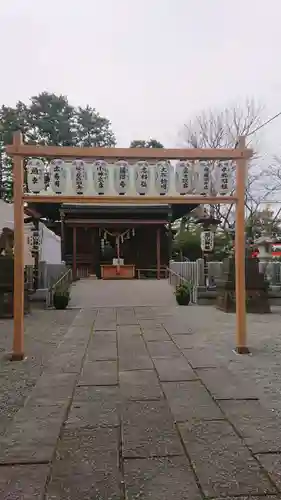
(20, 151)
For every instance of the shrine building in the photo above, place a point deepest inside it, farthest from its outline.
(113, 241)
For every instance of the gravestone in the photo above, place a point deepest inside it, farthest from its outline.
(7, 288)
(256, 288)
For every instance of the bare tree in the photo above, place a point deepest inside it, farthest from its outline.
(221, 129)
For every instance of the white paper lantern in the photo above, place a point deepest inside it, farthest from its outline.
(183, 177)
(142, 177)
(207, 241)
(121, 177)
(58, 176)
(162, 177)
(204, 178)
(35, 176)
(101, 176)
(224, 175)
(79, 176)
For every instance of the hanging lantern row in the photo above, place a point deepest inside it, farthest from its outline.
(207, 241)
(121, 178)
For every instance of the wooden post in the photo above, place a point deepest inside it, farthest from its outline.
(62, 235)
(18, 181)
(240, 292)
(117, 239)
(74, 253)
(158, 252)
(170, 235)
(37, 256)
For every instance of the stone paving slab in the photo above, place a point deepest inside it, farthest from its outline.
(135, 362)
(23, 482)
(160, 479)
(33, 435)
(69, 355)
(85, 317)
(224, 465)
(126, 316)
(225, 385)
(148, 430)
(52, 389)
(101, 349)
(68, 362)
(175, 325)
(143, 312)
(198, 357)
(94, 394)
(103, 325)
(140, 385)
(174, 369)
(76, 334)
(98, 414)
(262, 497)
(99, 373)
(100, 484)
(184, 341)
(157, 333)
(131, 344)
(272, 463)
(259, 427)
(152, 323)
(105, 321)
(86, 466)
(94, 407)
(126, 331)
(190, 400)
(133, 354)
(107, 335)
(163, 349)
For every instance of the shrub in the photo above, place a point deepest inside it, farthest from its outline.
(183, 292)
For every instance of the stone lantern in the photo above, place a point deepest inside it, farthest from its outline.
(264, 244)
(209, 224)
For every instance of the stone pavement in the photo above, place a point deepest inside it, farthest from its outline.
(141, 402)
(115, 293)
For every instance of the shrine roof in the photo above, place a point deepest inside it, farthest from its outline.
(52, 210)
(129, 209)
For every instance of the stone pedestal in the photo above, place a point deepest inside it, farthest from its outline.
(256, 288)
(7, 288)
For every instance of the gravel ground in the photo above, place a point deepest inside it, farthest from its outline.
(44, 331)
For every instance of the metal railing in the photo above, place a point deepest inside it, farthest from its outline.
(152, 272)
(176, 279)
(29, 276)
(64, 280)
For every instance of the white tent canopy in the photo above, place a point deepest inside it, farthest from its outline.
(7, 220)
(50, 251)
(6, 215)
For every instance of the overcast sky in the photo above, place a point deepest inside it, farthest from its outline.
(148, 65)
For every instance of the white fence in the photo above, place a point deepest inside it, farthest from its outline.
(176, 279)
(200, 276)
(65, 281)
